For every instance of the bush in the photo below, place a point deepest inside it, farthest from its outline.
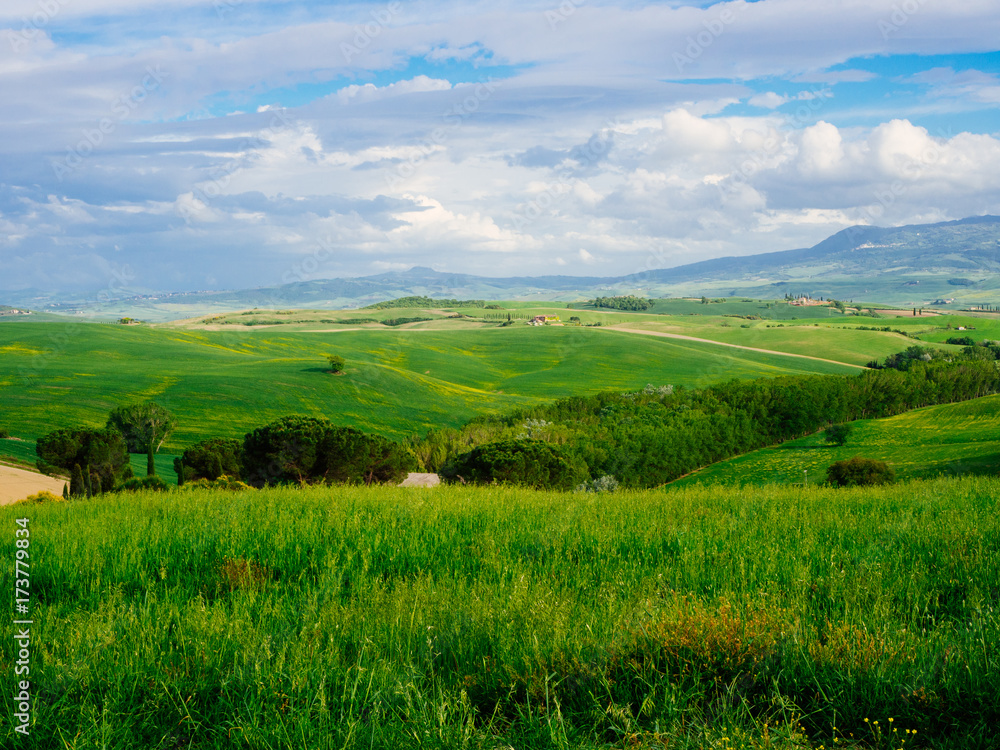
(607, 483)
(222, 483)
(41, 497)
(139, 484)
(858, 471)
(4, 434)
(336, 362)
(533, 463)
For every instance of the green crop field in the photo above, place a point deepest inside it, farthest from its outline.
(495, 617)
(951, 439)
(397, 382)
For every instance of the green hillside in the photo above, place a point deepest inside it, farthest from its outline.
(397, 382)
(951, 439)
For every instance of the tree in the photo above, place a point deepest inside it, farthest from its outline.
(138, 484)
(837, 434)
(308, 450)
(143, 425)
(103, 451)
(336, 363)
(857, 471)
(211, 459)
(77, 487)
(533, 463)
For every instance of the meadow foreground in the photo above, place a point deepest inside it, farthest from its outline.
(501, 617)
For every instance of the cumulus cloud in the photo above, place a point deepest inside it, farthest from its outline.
(488, 140)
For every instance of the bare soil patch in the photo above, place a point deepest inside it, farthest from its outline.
(17, 484)
(416, 479)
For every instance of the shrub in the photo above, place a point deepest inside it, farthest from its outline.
(4, 434)
(41, 497)
(607, 483)
(533, 463)
(859, 471)
(336, 362)
(222, 483)
(138, 484)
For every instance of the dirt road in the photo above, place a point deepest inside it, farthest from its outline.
(17, 484)
(732, 346)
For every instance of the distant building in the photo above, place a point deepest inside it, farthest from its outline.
(540, 320)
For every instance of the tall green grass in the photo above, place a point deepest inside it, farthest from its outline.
(498, 617)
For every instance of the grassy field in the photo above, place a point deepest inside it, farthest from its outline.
(952, 439)
(397, 382)
(496, 618)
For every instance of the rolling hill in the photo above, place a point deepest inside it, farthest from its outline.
(397, 382)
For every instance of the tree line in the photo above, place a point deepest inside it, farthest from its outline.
(418, 301)
(290, 450)
(628, 302)
(653, 436)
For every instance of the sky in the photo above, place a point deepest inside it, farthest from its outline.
(219, 144)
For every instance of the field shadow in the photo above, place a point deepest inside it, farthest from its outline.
(985, 465)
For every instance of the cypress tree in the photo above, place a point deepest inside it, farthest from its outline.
(180, 473)
(217, 469)
(65, 491)
(90, 482)
(77, 486)
(97, 484)
(150, 462)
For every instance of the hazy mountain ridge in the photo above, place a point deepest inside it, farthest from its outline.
(913, 264)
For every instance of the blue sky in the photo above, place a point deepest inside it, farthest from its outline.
(197, 144)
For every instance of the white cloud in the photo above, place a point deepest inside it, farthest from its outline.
(389, 165)
(369, 92)
(767, 100)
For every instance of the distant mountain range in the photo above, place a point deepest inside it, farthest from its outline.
(909, 265)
